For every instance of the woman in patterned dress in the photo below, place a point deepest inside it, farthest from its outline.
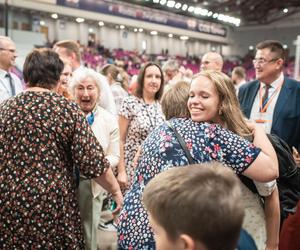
(43, 137)
(206, 142)
(138, 116)
(213, 99)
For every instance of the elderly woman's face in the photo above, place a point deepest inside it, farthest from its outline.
(86, 94)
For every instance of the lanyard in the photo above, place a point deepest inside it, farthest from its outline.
(265, 105)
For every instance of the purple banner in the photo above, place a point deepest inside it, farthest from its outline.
(146, 14)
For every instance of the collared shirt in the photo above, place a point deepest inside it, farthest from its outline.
(5, 89)
(268, 115)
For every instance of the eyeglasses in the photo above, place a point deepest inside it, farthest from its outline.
(263, 61)
(10, 50)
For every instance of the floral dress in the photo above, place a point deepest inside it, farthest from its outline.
(160, 151)
(143, 119)
(42, 137)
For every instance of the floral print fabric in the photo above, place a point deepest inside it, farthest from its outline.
(42, 137)
(161, 151)
(143, 119)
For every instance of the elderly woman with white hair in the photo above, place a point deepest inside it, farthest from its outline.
(86, 87)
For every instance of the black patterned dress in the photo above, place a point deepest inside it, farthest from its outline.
(42, 137)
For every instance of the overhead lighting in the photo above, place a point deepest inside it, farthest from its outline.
(153, 32)
(54, 16)
(178, 5)
(101, 23)
(91, 30)
(122, 27)
(155, 1)
(184, 7)
(42, 23)
(170, 35)
(135, 30)
(79, 20)
(285, 10)
(184, 37)
(163, 2)
(209, 13)
(284, 46)
(251, 47)
(215, 15)
(191, 9)
(141, 30)
(171, 4)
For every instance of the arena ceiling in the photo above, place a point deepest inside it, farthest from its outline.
(251, 12)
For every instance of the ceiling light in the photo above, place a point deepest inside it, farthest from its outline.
(42, 23)
(54, 16)
(135, 30)
(141, 30)
(155, 1)
(209, 13)
(215, 15)
(284, 46)
(101, 23)
(251, 47)
(191, 9)
(154, 32)
(184, 37)
(91, 30)
(178, 5)
(170, 35)
(163, 2)
(79, 20)
(122, 27)
(184, 7)
(171, 4)
(285, 10)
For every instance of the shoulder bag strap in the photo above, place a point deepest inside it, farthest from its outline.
(182, 144)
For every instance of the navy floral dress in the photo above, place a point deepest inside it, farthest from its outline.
(42, 137)
(160, 151)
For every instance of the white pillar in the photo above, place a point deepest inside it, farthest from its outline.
(297, 58)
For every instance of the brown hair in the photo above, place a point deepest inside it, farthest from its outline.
(140, 81)
(70, 46)
(274, 46)
(42, 68)
(186, 200)
(230, 111)
(239, 71)
(174, 101)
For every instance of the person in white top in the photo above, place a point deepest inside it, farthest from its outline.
(10, 84)
(86, 86)
(69, 50)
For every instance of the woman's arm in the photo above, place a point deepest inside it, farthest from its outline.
(123, 126)
(108, 181)
(265, 167)
(272, 214)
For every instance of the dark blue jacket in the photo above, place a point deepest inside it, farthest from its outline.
(286, 118)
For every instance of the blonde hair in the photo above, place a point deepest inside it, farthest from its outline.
(230, 111)
(174, 101)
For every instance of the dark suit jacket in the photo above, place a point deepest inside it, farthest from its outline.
(286, 118)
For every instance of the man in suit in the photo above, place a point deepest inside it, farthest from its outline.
(10, 84)
(211, 61)
(273, 100)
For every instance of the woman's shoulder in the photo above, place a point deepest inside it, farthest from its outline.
(105, 114)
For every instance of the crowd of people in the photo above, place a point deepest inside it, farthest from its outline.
(163, 152)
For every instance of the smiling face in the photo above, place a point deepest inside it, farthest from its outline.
(204, 101)
(152, 81)
(87, 94)
(267, 65)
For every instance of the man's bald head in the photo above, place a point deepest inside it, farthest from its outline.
(212, 61)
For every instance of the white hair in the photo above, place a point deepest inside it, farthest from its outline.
(105, 97)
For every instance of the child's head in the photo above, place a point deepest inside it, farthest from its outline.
(195, 207)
